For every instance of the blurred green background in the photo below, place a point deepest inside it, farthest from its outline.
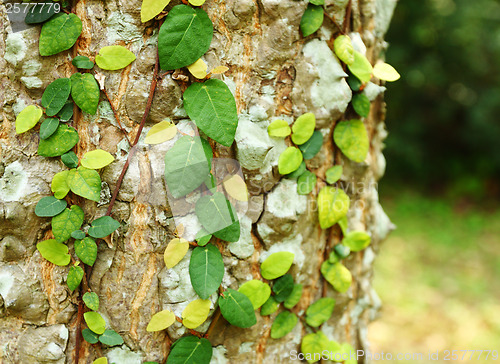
(438, 274)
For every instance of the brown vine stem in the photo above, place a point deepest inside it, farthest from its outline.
(332, 19)
(347, 19)
(115, 113)
(215, 319)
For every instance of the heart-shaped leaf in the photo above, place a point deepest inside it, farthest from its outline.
(86, 250)
(333, 204)
(343, 49)
(356, 240)
(85, 92)
(66, 222)
(294, 297)
(86, 183)
(161, 132)
(385, 72)
(361, 105)
(54, 252)
(303, 128)
(59, 184)
(206, 270)
(290, 160)
(215, 212)
(111, 338)
(91, 337)
(310, 148)
(49, 206)
(270, 307)
(59, 34)
(257, 292)
(337, 275)
(64, 138)
(333, 174)
(306, 183)
(361, 67)
(279, 128)
(352, 139)
(70, 159)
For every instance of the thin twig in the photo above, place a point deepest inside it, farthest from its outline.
(116, 117)
(347, 19)
(332, 19)
(212, 324)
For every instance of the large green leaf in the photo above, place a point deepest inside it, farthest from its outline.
(48, 127)
(312, 146)
(151, 8)
(66, 222)
(186, 166)
(95, 322)
(290, 160)
(54, 252)
(352, 139)
(320, 311)
(184, 37)
(333, 204)
(212, 107)
(75, 276)
(114, 57)
(257, 291)
(276, 265)
(190, 350)
(303, 128)
(64, 138)
(86, 250)
(28, 118)
(85, 92)
(215, 213)
(312, 19)
(49, 206)
(103, 226)
(237, 309)
(55, 96)
(59, 34)
(283, 287)
(85, 182)
(206, 270)
(361, 67)
(337, 275)
(283, 324)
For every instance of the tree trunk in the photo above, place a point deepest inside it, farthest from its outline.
(274, 73)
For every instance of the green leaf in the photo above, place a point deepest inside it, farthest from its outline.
(342, 251)
(48, 127)
(215, 212)
(78, 235)
(317, 2)
(276, 265)
(303, 128)
(361, 104)
(204, 239)
(212, 107)
(86, 250)
(59, 34)
(64, 138)
(356, 240)
(82, 62)
(298, 172)
(306, 183)
(70, 159)
(190, 350)
(279, 128)
(160, 321)
(175, 251)
(345, 350)
(352, 139)
(294, 297)
(49, 206)
(237, 309)
(66, 112)
(343, 49)
(230, 233)
(54, 252)
(311, 20)
(59, 184)
(113, 58)
(354, 83)
(333, 174)
(85, 182)
(271, 306)
(257, 292)
(28, 118)
(283, 287)
(111, 338)
(184, 37)
(320, 311)
(206, 270)
(95, 322)
(90, 336)
(85, 92)
(75, 276)
(55, 96)
(312, 146)
(337, 275)
(39, 13)
(289, 160)
(283, 324)
(103, 226)
(91, 300)
(361, 67)
(314, 344)
(97, 159)
(66, 222)
(185, 166)
(333, 204)
(196, 313)
(385, 72)
(343, 225)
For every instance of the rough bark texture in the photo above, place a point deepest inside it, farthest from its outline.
(274, 72)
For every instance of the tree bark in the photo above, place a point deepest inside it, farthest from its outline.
(274, 73)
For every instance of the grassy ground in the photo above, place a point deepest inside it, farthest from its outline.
(438, 276)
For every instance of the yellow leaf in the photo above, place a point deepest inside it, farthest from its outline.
(195, 313)
(161, 132)
(236, 188)
(385, 72)
(197, 2)
(176, 250)
(28, 118)
(102, 360)
(161, 320)
(218, 70)
(198, 69)
(151, 8)
(97, 159)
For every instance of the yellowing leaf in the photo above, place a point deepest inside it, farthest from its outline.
(197, 2)
(219, 70)
(28, 118)
(344, 49)
(151, 8)
(160, 321)
(176, 250)
(198, 69)
(102, 360)
(97, 159)
(236, 188)
(385, 72)
(59, 184)
(279, 128)
(114, 58)
(361, 67)
(195, 313)
(161, 132)
(333, 204)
